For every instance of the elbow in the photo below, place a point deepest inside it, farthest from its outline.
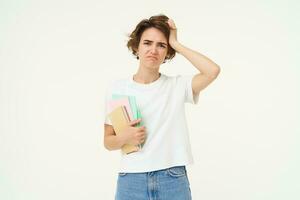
(215, 72)
(107, 146)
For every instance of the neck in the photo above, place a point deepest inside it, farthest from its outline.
(146, 76)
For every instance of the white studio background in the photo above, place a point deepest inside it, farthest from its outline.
(57, 57)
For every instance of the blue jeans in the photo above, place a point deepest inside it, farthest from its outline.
(167, 184)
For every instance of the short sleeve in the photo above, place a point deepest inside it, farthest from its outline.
(186, 82)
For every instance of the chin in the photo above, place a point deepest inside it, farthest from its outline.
(152, 65)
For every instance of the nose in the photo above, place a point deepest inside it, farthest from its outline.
(153, 49)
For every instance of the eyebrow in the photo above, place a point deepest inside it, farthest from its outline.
(158, 42)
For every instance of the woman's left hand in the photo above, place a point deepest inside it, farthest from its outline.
(173, 33)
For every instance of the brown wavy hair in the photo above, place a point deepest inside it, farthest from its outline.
(157, 21)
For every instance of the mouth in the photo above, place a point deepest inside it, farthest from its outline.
(152, 57)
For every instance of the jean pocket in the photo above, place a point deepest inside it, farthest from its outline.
(122, 174)
(177, 171)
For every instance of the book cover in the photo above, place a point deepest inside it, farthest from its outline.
(132, 102)
(120, 119)
(112, 104)
(136, 113)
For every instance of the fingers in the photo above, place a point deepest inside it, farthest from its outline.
(141, 135)
(172, 24)
(141, 129)
(134, 122)
(142, 139)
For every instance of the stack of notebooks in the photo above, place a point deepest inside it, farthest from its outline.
(122, 110)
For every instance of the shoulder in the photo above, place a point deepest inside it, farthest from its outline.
(178, 79)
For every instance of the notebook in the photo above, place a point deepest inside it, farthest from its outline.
(132, 102)
(119, 119)
(121, 102)
(134, 112)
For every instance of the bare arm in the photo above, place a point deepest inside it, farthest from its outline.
(208, 70)
(111, 140)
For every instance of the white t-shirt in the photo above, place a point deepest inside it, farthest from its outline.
(163, 114)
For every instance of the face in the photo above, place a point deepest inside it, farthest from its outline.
(153, 48)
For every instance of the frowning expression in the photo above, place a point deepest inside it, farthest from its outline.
(153, 47)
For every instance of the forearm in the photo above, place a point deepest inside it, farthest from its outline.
(201, 62)
(113, 142)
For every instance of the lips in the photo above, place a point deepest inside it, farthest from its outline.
(153, 57)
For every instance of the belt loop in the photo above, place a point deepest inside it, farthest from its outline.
(151, 173)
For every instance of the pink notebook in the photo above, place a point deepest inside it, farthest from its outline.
(113, 104)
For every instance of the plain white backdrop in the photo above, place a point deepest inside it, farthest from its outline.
(57, 57)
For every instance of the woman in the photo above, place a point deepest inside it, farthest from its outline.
(157, 171)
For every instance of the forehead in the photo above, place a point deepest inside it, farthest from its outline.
(153, 34)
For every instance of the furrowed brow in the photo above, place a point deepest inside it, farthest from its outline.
(158, 42)
(162, 43)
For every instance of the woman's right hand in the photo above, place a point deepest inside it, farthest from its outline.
(134, 135)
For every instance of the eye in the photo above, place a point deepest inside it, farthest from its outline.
(163, 46)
